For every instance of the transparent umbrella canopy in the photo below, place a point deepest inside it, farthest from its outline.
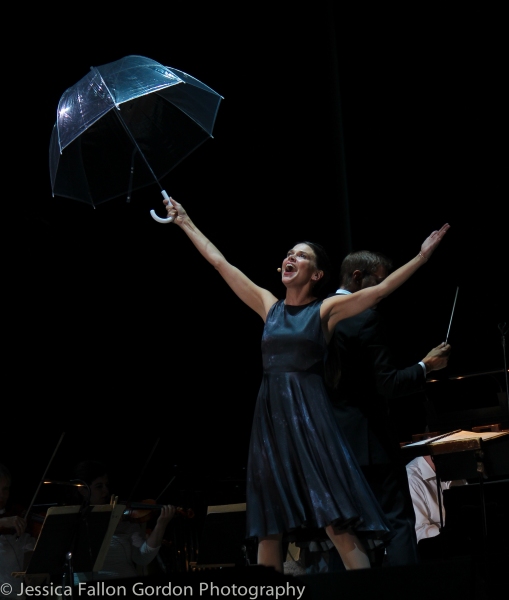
(126, 125)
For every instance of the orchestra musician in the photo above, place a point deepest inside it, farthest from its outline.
(130, 549)
(428, 507)
(15, 540)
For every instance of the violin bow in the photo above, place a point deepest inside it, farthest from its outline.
(166, 487)
(143, 470)
(43, 476)
(187, 513)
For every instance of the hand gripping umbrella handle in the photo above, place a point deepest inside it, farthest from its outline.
(160, 219)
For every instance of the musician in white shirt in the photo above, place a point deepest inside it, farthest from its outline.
(422, 481)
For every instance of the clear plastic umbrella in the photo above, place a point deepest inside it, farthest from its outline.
(124, 126)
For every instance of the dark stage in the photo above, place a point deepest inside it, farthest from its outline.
(356, 128)
(463, 578)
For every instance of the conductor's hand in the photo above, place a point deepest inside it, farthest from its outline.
(437, 358)
(175, 210)
(17, 523)
(430, 243)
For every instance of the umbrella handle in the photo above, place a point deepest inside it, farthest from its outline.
(160, 219)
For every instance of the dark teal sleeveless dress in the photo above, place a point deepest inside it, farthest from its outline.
(301, 472)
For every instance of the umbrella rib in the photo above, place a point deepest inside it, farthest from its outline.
(96, 70)
(137, 147)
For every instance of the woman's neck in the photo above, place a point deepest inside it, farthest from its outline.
(298, 297)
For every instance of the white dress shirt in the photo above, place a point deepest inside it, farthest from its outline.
(422, 481)
(12, 554)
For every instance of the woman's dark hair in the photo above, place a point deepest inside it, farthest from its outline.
(324, 264)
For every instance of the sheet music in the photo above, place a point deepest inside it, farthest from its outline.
(226, 508)
(460, 434)
(117, 512)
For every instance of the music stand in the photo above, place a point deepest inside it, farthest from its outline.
(73, 538)
(223, 542)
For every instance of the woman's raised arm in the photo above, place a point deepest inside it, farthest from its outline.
(337, 308)
(256, 297)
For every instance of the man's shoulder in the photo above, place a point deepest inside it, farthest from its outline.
(420, 468)
(414, 463)
(413, 468)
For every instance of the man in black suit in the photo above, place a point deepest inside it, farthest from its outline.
(368, 380)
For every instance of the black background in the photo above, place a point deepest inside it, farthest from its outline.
(365, 128)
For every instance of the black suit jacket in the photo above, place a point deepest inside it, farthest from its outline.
(369, 379)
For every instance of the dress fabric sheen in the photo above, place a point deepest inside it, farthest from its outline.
(301, 471)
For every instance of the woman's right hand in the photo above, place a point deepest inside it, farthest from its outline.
(430, 243)
(18, 524)
(175, 210)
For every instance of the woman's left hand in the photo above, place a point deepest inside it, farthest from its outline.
(430, 243)
(166, 515)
